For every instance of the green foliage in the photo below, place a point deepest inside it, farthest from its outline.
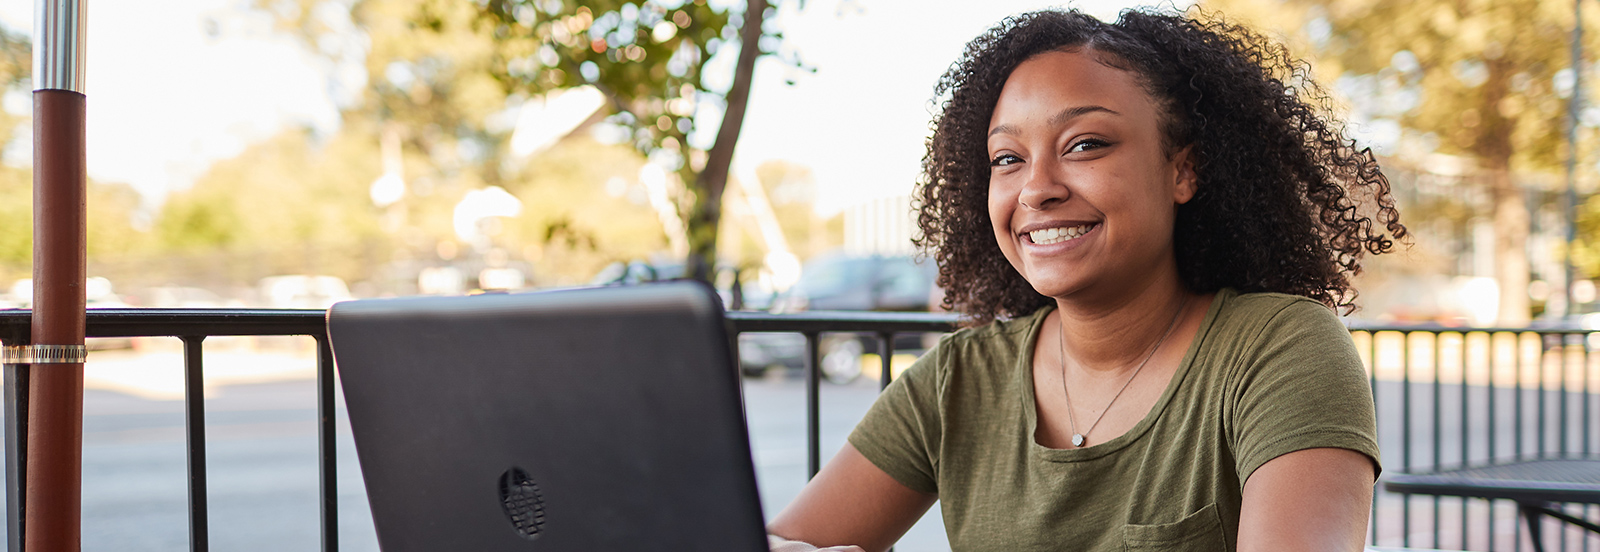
(1488, 80)
(583, 209)
(1477, 76)
(649, 58)
(278, 199)
(445, 77)
(16, 223)
(16, 62)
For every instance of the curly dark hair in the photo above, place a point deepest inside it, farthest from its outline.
(1286, 202)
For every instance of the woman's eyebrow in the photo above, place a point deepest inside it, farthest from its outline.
(1058, 119)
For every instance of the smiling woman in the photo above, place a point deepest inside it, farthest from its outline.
(1148, 225)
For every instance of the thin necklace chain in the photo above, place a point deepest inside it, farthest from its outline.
(1078, 439)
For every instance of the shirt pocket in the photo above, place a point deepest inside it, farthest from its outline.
(1201, 530)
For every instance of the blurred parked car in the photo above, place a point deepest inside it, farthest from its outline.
(857, 283)
(731, 282)
(758, 352)
(180, 297)
(98, 294)
(302, 291)
(861, 283)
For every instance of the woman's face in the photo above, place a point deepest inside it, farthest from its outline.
(1081, 193)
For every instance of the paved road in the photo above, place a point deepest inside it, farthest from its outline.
(261, 455)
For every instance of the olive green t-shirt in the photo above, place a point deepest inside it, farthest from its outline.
(1267, 374)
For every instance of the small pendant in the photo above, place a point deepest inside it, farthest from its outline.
(1077, 439)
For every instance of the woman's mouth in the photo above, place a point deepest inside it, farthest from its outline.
(1057, 235)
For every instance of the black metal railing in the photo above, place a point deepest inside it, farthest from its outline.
(192, 326)
(1452, 397)
(1442, 396)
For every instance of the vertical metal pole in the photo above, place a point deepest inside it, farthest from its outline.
(886, 363)
(194, 421)
(327, 466)
(1438, 445)
(16, 413)
(1544, 396)
(1405, 434)
(55, 415)
(1561, 402)
(1466, 433)
(1517, 406)
(1586, 378)
(1372, 385)
(885, 359)
(813, 406)
(1493, 421)
(1588, 417)
(1516, 529)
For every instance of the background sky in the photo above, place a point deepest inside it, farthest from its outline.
(173, 89)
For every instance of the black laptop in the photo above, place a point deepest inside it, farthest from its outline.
(605, 419)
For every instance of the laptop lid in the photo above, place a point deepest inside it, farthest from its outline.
(596, 420)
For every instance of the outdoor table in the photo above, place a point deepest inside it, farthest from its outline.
(1536, 486)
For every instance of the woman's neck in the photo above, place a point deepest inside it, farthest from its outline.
(1112, 333)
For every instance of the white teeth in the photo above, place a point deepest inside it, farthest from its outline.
(1057, 235)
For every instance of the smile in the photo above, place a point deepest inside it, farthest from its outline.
(1058, 235)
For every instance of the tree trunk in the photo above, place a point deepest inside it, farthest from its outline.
(706, 214)
(1510, 247)
(1510, 210)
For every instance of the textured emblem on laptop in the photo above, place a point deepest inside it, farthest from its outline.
(523, 503)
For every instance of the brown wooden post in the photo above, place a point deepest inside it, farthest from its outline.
(53, 500)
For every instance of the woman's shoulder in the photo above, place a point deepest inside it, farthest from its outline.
(989, 348)
(1002, 334)
(1248, 326)
(1259, 311)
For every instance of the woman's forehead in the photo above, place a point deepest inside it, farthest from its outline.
(1054, 81)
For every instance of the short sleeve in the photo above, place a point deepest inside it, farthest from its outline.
(902, 431)
(1300, 385)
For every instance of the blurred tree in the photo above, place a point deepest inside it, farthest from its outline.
(792, 190)
(590, 211)
(16, 224)
(16, 185)
(113, 207)
(653, 62)
(16, 61)
(451, 77)
(1486, 79)
(278, 200)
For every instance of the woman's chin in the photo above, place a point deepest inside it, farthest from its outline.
(1054, 286)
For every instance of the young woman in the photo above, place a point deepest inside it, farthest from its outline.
(1149, 225)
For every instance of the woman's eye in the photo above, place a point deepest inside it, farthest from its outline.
(1003, 160)
(1086, 145)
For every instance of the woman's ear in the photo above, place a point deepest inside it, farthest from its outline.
(1186, 183)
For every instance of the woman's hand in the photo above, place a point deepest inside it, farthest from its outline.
(851, 502)
(779, 544)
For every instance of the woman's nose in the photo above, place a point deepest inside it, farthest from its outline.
(1043, 188)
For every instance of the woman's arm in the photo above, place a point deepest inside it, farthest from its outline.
(1314, 499)
(851, 502)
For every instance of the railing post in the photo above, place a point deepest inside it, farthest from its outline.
(194, 421)
(327, 467)
(1372, 386)
(1405, 433)
(16, 414)
(813, 405)
(886, 359)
